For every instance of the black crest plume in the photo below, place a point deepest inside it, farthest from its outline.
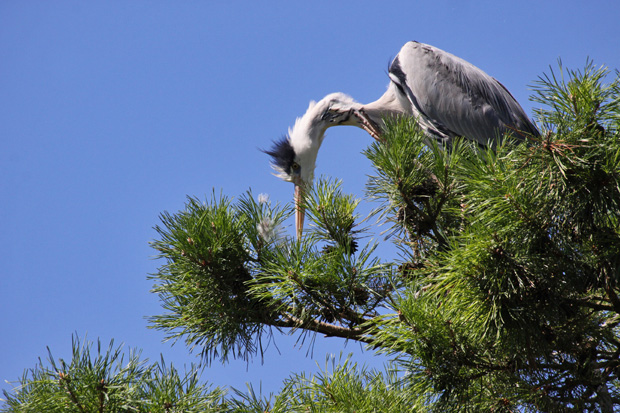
(282, 154)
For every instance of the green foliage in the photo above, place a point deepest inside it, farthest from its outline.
(578, 101)
(109, 381)
(416, 186)
(211, 250)
(341, 386)
(333, 216)
(520, 310)
(231, 275)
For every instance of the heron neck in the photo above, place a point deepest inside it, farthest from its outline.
(309, 130)
(390, 104)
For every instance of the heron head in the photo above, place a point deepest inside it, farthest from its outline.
(295, 163)
(293, 157)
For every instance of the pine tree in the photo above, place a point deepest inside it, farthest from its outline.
(505, 296)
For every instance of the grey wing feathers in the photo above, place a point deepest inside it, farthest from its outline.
(455, 98)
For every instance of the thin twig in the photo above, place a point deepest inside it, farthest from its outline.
(64, 381)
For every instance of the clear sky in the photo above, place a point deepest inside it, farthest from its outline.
(112, 112)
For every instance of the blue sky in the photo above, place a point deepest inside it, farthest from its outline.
(112, 112)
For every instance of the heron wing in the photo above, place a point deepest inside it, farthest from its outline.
(455, 98)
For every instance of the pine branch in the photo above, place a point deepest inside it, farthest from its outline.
(613, 297)
(330, 330)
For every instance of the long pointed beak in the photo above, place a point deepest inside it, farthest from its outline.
(299, 209)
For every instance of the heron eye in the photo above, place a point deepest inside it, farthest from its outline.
(295, 166)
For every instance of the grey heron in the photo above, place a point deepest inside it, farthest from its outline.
(447, 95)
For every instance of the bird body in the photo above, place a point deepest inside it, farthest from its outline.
(447, 95)
(451, 97)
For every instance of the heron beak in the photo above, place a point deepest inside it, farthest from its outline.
(299, 209)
